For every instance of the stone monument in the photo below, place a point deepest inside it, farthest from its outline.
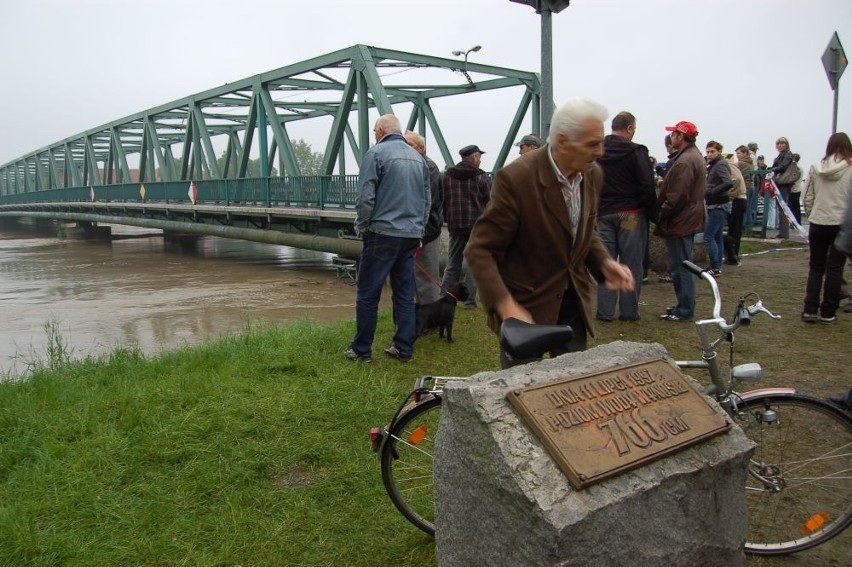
(502, 499)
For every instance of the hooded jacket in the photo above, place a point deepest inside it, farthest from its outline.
(829, 185)
(628, 178)
(466, 192)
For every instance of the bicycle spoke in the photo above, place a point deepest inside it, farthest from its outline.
(798, 489)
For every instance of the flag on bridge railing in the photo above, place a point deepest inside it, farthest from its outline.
(92, 193)
(142, 191)
(192, 193)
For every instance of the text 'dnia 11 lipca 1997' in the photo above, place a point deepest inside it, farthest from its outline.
(599, 425)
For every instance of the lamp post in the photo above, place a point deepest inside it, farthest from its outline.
(546, 8)
(466, 53)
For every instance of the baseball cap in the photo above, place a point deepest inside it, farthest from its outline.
(752, 146)
(530, 140)
(471, 149)
(684, 127)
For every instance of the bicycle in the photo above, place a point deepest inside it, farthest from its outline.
(406, 444)
(798, 488)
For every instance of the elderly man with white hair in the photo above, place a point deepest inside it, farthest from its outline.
(535, 253)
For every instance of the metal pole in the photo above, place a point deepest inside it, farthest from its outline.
(834, 115)
(546, 71)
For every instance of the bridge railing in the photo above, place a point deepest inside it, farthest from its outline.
(309, 191)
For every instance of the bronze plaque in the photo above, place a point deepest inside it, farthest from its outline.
(603, 424)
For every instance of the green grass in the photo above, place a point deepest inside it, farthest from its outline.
(254, 450)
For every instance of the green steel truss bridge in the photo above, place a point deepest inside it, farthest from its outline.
(159, 168)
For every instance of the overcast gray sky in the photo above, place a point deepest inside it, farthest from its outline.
(742, 70)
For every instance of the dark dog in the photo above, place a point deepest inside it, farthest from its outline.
(440, 314)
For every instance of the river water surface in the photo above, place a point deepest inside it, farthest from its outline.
(145, 291)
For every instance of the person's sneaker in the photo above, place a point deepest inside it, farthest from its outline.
(827, 320)
(355, 357)
(673, 317)
(810, 317)
(394, 352)
(715, 273)
(669, 311)
(665, 278)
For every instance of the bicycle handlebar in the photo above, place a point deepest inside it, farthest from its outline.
(743, 314)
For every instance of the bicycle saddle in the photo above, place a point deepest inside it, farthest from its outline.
(526, 340)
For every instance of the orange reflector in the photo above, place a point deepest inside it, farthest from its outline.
(814, 523)
(418, 435)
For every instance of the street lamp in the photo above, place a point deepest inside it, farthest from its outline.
(466, 53)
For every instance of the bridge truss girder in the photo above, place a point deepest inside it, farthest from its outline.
(252, 117)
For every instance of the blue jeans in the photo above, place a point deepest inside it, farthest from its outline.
(624, 235)
(680, 249)
(714, 238)
(455, 259)
(383, 256)
(751, 208)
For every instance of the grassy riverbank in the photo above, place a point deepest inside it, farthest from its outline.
(254, 450)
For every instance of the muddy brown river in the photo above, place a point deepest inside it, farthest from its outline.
(143, 290)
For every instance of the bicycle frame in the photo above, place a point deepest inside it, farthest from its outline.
(748, 372)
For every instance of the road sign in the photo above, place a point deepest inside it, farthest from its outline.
(834, 60)
(554, 6)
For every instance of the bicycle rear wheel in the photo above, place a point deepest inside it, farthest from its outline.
(407, 463)
(798, 490)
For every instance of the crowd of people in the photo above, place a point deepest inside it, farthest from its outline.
(562, 233)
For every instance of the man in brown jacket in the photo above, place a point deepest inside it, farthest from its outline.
(682, 215)
(534, 251)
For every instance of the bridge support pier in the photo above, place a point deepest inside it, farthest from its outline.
(84, 231)
(181, 241)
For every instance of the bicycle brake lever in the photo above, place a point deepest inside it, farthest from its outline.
(759, 308)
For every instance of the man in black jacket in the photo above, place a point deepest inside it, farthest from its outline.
(426, 260)
(718, 204)
(627, 202)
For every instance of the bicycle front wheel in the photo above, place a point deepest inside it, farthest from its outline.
(407, 463)
(798, 490)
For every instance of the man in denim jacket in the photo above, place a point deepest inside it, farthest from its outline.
(392, 208)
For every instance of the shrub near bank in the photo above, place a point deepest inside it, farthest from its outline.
(254, 450)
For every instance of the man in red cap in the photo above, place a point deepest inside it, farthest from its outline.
(682, 216)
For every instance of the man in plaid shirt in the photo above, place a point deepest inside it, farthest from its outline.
(466, 192)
